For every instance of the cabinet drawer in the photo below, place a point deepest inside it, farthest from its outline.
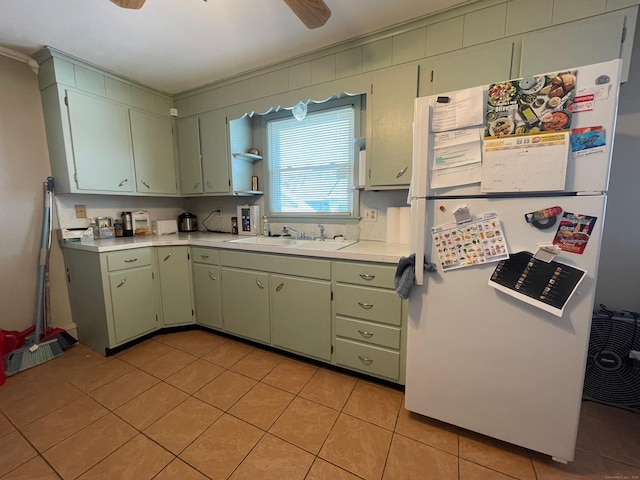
(204, 255)
(368, 359)
(369, 304)
(136, 257)
(364, 274)
(368, 332)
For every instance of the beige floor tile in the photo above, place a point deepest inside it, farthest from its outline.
(177, 339)
(357, 446)
(144, 352)
(150, 405)
(120, 391)
(34, 469)
(328, 388)
(78, 453)
(323, 470)
(261, 406)
(427, 430)
(54, 427)
(473, 471)
(41, 403)
(169, 363)
(290, 375)
(6, 427)
(496, 455)
(202, 345)
(374, 404)
(614, 441)
(230, 438)
(621, 471)
(178, 470)
(279, 458)
(182, 425)
(194, 376)
(94, 376)
(14, 451)
(411, 460)
(225, 390)
(138, 459)
(256, 364)
(228, 353)
(305, 424)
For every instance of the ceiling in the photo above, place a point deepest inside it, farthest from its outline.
(176, 45)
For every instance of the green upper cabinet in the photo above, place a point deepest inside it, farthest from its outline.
(203, 154)
(153, 153)
(389, 127)
(101, 143)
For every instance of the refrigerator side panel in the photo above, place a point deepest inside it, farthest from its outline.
(488, 362)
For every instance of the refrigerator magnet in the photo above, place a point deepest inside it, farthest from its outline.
(545, 218)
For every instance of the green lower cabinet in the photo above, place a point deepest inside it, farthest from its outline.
(133, 303)
(301, 315)
(175, 285)
(206, 292)
(245, 303)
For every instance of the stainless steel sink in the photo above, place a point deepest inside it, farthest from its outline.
(287, 242)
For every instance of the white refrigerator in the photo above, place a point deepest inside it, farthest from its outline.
(494, 355)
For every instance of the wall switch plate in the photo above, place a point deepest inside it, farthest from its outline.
(370, 215)
(81, 211)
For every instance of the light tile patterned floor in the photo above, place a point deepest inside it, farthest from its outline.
(195, 405)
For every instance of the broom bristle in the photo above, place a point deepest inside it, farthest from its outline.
(28, 356)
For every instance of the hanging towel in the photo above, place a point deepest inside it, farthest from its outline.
(405, 274)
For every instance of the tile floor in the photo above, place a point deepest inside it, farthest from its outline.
(195, 405)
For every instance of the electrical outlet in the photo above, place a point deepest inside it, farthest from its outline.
(81, 211)
(370, 215)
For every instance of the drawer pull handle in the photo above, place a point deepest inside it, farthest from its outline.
(211, 276)
(366, 306)
(209, 184)
(145, 183)
(124, 280)
(402, 172)
(195, 185)
(364, 276)
(204, 257)
(167, 257)
(366, 361)
(279, 287)
(123, 182)
(131, 260)
(259, 284)
(365, 334)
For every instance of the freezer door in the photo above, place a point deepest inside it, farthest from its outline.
(488, 362)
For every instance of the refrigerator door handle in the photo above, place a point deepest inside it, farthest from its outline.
(418, 232)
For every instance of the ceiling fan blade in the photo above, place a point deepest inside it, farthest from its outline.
(133, 4)
(313, 13)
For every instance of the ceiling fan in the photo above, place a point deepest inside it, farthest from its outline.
(313, 13)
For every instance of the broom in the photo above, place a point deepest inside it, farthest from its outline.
(35, 352)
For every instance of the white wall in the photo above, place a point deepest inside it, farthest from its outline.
(24, 167)
(618, 285)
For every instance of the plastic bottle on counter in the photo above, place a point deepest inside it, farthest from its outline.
(266, 228)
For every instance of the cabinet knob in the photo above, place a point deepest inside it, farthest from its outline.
(204, 257)
(279, 287)
(124, 280)
(367, 277)
(131, 260)
(167, 257)
(402, 172)
(123, 182)
(144, 183)
(259, 284)
(195, 185)
(211, 276)
(366, 306)
(365, 333)
(209, 184)
(365, 361)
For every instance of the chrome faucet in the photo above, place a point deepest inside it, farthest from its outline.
(322, 237)
(286, 229)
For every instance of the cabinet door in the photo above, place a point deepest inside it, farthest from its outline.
(189, 159)
(389, 141)
(245, 303)
(215, 152)
(206, 290)
(175, 285)
(101, 143)
(301, 315)
(133, 303)
(153, 154)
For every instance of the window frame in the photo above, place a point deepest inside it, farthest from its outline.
(311, 217)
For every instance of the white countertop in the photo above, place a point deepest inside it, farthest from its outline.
(365, 250)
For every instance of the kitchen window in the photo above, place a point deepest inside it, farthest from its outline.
(310, 162)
